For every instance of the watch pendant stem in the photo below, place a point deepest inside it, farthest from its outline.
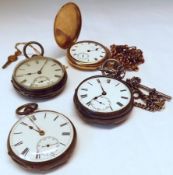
(27, 109)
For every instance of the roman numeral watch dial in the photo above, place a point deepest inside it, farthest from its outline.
(84, 55)
(39, 77)
(41, 140)
(103, 100)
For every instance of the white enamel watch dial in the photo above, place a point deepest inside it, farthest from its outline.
(88, 52)
(102, 94)
(38, 73)
(41, 136)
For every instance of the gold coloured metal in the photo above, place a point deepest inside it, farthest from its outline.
(87, 66)
(67, 25)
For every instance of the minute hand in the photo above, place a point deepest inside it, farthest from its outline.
(40, 71)
(103, 91)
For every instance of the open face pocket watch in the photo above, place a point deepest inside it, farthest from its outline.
(42, 139)
(85, 55)
(38, 76)
(107, 99)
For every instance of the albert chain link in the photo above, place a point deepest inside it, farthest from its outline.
(153, 101)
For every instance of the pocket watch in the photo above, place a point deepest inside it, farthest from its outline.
(85, 55)
(107, 99)
(38, 76)
(42, 139)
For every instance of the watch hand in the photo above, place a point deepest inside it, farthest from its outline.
(40, 71)
(100, 102)
(110, 107)
(93, 50)
(103, 91)
(48, 145)
(26, 74)
(30, 127)
(42, 81)
(35, 125)
(95, 98)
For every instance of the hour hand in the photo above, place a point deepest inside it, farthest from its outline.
(32, 121)
(89, 50)
(29, 126)
(21, 75)
(41, 132)
(95, 98)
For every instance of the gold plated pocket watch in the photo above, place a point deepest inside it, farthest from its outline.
(85, 55)
(42, 139)
(39, 77)
(107, 99)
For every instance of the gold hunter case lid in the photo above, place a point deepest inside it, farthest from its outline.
(67, 25)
